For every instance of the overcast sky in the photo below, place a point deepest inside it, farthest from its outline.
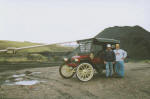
(49, 21)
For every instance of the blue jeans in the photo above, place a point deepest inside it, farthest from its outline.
(109, 69)
(119, 68)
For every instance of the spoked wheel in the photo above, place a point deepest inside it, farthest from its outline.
(66, 71)
(85, 72)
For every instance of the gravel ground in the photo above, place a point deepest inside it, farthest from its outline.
(135, 85)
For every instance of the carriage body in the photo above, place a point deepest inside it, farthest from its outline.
(86, 58)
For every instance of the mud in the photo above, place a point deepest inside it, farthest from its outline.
(135, 85)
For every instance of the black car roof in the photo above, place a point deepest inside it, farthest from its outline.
(100, 40)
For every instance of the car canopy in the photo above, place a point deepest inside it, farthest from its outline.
(99, 41)
(93, 41)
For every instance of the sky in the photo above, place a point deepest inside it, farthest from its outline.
(53, 21)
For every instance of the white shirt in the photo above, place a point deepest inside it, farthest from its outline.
(120, 54)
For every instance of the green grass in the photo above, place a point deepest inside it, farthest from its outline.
(5, 44)
(31, 54)
(146, 61)
(14, 59)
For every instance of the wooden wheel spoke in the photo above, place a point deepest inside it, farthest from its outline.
(85, 72)
(67, 71)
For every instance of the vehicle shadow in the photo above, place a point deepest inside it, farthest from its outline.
(96, 77)
(99, 76)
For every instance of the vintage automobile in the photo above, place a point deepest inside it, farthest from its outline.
(86, 59)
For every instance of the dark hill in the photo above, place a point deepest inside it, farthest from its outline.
(135, 40)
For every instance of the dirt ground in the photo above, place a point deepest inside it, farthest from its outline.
(135, 85)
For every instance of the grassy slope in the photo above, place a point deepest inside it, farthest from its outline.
(22, 55)
(5, 44)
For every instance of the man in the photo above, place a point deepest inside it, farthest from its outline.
(109, 60)
(120, 56)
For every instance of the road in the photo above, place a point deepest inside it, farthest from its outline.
(135, 85)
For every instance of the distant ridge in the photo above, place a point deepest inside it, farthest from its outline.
(135, 40)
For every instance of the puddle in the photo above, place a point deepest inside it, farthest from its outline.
(32, 82)
(24, 82)
(20, 75)
(29, 82)
(18, 79)
(35, 73)
(22, 79)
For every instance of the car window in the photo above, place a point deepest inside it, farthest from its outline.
(85, 47)
(96, 48)
(74, 52)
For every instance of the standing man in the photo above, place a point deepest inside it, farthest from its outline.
(120, 56)
(109, 60)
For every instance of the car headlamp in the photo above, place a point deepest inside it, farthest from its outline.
(76, 60)
(65, 59)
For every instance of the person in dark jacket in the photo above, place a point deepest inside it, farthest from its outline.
(109, 60)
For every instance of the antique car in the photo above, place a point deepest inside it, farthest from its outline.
(86, 59)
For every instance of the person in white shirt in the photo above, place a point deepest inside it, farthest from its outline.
(120, 56)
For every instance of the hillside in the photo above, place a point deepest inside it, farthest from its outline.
(5, 44)
(135, 40)
(51, 53)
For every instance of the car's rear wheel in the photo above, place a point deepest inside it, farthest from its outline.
(85, 72)
(66, 71)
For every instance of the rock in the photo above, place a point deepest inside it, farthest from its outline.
(28, 72)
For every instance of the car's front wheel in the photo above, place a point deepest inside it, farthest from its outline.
(66, 71)
(85, 72)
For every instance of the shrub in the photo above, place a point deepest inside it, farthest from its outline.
(36, 57)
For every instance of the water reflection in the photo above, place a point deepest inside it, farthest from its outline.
(21, 79)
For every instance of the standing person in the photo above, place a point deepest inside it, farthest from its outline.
(109, 60)
(120, 56)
